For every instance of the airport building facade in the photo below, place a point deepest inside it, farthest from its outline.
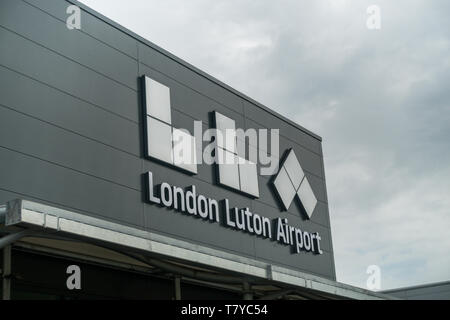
(95, 127)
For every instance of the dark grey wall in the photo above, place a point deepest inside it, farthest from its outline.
(433, 291)
(70, 131)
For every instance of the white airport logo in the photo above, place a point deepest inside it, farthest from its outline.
(236, 171)
(178, 148)
(291, 181)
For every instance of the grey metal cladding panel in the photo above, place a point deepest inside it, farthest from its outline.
(237, 117)
(429, 290)
(90, 25)
(320, 216)
(184, 226)
(208, 174)
(6, 196)
(257, 117)
(43, 102)
(53, 69)
(310, 161)
(280, 254)
(287, 143)
(52, 33)
(205, 172)
(398, 294)
(320, 213)
(264, 160)
(185, 121)
(267, 193)
(44, 141)
(190, 102)
(432, 292)
(318, 186)
(175, 70)
(184, 150)
(295, 221)
(431, 296)
(42, 180)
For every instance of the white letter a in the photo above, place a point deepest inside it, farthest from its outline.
(74, 20)
(374, 19)
(74, 280)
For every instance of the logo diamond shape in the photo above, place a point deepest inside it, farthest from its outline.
(291, 181)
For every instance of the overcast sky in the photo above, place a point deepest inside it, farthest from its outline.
(379, 98)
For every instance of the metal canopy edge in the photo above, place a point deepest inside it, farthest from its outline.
(47, 218)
